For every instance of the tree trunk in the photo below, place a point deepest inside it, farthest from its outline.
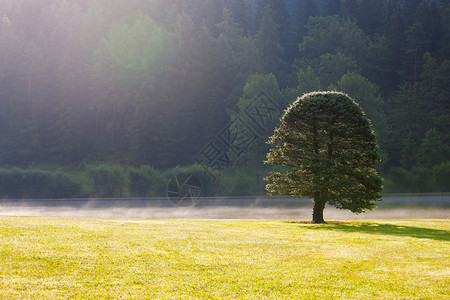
(319, 206)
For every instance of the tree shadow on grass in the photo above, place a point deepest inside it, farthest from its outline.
(388, 229)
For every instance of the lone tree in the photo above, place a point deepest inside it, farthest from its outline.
(329, 150)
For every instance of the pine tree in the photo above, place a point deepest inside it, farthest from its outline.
(303, 9)
(329, 150)
(433, 150)
(240, 13)
(268, 41)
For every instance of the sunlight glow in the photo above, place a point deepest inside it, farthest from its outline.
(135, 42)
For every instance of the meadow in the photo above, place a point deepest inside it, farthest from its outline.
(87, 258)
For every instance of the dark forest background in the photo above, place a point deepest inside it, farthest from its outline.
(149, 86)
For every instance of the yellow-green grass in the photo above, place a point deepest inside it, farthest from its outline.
(58, 258)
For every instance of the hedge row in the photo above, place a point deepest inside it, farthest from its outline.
(33, 183)
(95, 180)
(419, 179)
(117, 181)
(105, 180)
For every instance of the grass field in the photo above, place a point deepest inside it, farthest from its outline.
(58, 258)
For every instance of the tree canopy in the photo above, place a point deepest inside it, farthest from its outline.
(329, 150)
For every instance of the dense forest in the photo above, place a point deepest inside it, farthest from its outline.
(163, 83)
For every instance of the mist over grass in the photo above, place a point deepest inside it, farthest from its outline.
(222, 212)
(199, 259)
(414, 206)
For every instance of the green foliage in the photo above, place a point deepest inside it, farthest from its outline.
(332, 35)
(260, 83)
(441, 177)
(331, 67)
(107, 180)
(415, 180)
(328, 68)
(433, 150)
(419, 179)
(205, 176)
(307, 82)
(259, 112)
(136, 42)
(359, 87)
(406, 116)
(376, 65)
(190, 169)
(417, 117)
(330, 149)
(268, 41)
(146, 181)
(35, 183)
(240, 182)
(372, 103)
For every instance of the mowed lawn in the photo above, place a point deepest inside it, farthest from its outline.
(59, 258)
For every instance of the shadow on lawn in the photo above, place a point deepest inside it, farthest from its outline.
(388, 229)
